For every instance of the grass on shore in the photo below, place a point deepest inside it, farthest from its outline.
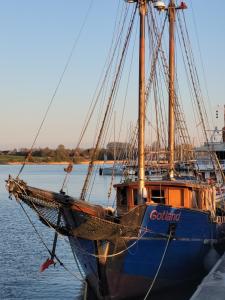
(8, 158)
(4, 159)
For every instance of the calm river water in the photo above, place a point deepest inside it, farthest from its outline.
(22, 253)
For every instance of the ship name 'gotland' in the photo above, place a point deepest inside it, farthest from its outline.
(164, 216)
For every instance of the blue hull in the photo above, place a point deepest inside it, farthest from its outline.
(129, 275)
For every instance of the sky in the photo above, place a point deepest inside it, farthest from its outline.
(36, 38)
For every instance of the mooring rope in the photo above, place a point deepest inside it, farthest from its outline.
(159, 267)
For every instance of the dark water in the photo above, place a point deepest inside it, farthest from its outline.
(22, 253)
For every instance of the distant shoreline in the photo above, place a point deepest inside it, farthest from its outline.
(98, 162)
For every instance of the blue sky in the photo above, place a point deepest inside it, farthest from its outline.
(36, 38)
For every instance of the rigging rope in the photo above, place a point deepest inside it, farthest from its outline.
(121, 155)
(45, 245)
(57, 87)
(100, 91)
(40, 237)
(201, 59)
(180, 120)
(118, 74)
(199, 97)
(113, 102)
(114, 254)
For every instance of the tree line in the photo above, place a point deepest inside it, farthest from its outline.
(61, 153)
(113, 150)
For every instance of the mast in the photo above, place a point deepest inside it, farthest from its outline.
(141, 109)
(171, 130)
(142, 4)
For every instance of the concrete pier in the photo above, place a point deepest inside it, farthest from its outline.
(213, 285)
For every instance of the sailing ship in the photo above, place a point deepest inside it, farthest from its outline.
(161, 231)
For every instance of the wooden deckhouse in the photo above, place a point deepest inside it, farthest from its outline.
(174, 193)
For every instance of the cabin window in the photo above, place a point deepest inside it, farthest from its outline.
(135, 196)
(194, 199)
(158, 196)
(122, 196)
